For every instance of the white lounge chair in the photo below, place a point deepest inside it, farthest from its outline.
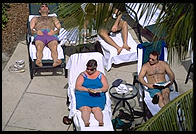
(145, 96)
(75, 65)
(46, 51)
(110, 52)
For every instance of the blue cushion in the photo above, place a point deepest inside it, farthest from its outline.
(148, 47)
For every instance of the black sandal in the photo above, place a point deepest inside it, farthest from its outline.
(67, 121)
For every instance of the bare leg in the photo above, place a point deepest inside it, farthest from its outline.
(161, 104)
(98, 115)
(85, 111)
(124, 26)
(39, 46)
(165, 93)
(53, 48)
(104, 34)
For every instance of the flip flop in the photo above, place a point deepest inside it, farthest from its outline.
(67, 121)
(101, 123)
(86, 124)
(39, 63)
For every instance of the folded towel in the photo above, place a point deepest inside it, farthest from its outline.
(122, 88)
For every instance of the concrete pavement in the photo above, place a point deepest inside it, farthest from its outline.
(40, 104)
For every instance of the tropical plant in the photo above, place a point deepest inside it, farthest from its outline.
(175, 18)
(177, 115)
(5, 6)
(80, 15)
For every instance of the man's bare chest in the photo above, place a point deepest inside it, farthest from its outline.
(44, 20)
(154, 70)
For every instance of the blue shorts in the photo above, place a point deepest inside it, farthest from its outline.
(46, 38)
(154, 91)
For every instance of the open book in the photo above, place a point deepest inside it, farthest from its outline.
(94, 91)
(162, 85)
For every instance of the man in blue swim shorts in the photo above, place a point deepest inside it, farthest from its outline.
(155, 71)
(45, 29)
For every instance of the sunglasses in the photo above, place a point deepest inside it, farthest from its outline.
(92, 69)
(44, 6)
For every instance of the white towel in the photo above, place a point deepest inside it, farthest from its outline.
(75, 65)
(110, 53)
(122, 88)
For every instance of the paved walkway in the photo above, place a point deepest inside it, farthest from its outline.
(40, 104)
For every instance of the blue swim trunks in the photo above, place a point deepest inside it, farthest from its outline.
(153, 91)
(45, 38)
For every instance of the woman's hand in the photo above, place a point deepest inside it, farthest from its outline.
(94, 91)
(91, 91)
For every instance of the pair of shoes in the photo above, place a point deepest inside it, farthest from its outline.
(57, 63)
(18, 67)
(66, 120)
(20, 62)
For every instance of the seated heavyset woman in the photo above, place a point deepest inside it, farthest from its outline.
(91, 86)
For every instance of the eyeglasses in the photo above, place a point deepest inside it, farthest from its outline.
(44, 6)
(92, 69)
(152, 59)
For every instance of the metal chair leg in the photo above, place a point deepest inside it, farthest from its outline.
(189, 70)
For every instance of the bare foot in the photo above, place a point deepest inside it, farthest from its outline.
(57, 62)
(39, 63)
(119, 50)
(126, 47)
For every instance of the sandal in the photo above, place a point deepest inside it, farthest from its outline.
(39, 63)
(86, 124)
(67, 121)
(20, 62)
(101, 123)
(57, 63)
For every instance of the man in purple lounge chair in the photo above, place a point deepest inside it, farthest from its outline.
(43, 29)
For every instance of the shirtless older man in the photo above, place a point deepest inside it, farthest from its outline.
(45, 30)
(155, 72)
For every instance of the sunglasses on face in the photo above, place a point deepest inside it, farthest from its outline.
(92, 69)
(152, 59)
(44, 6)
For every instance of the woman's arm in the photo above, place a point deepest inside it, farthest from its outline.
(79, 83)
(105, 84)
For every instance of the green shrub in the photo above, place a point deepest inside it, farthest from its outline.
(5, 6)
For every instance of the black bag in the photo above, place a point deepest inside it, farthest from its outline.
(155, 99)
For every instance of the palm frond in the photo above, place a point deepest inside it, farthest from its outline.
(174, 18)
